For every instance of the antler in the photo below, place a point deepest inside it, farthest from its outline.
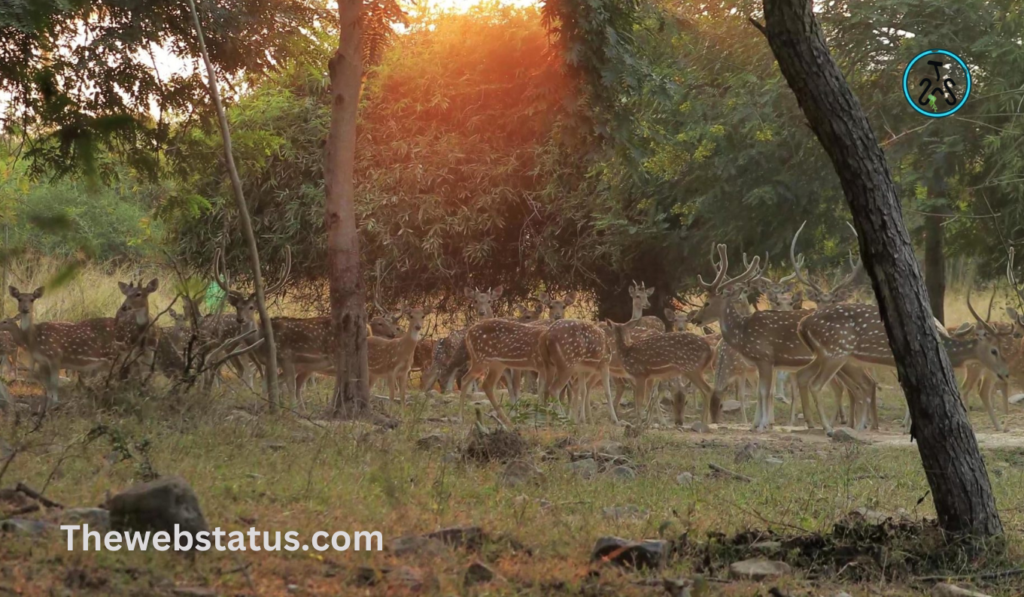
(218, 271)
(721, 283)
(853, 276)
(797, 264)
(1009, 275)
(977, 317)
(284, 274)
(720, 268)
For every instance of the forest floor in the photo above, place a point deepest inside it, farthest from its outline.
(853, 517)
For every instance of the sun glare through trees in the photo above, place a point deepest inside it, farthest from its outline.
(562, 297)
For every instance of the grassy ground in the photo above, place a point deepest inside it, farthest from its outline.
(286, 472)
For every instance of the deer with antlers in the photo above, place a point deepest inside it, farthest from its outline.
(767, 339)
(855, 332)
(1011, 346)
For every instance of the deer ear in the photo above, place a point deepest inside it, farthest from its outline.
(427, 310)
(570, 298)
(153, 285)
(38, 292)
(1010, 312)
(233, 299)
(707, 330)
(670, 313)
(543, 298)
(609, 322)
(964, 329)
(496, 292)
(14, 291)
(650, 291)
(124, 287)
(468, 292)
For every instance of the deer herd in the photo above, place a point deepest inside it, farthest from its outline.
(838, 344)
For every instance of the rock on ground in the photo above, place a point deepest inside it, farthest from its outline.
(585, 468)
(158, 506)
(96, 518)
(478, 573)
(846, 436)
(518, 472)
(758, 569)
(684, 478)
(623, 472)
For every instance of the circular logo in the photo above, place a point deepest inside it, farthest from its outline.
(937, 83)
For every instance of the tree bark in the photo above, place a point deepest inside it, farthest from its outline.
(243, 216)
(348, 305)
(935, 265)
(949, 450)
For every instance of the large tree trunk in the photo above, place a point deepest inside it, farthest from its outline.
(348, 305)
(243, 217)
(935, 265)
(952, 462)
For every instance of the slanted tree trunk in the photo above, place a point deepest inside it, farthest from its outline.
(952, 462)
(243, 216)
(935, 265)
(348, 305)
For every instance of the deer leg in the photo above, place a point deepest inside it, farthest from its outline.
(490, 382)
(515, 386)
(53, 373)
(765, 383)
(641, 395)
(1004, 387)
(741, 397)
(986, 398)
(474, 371)
(970, 380)
(403, 381)
(826, 371)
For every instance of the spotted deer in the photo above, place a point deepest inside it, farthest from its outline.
(450, 359)
(855, 332)
(840, 291)
(662, 356)
(571, 347)
(494, 345)
(526, 314)
(52, 346)
(641, 300)
(767, 339)
(392, 359)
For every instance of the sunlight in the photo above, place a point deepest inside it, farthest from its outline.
(464, 5)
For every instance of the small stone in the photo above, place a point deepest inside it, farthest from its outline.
(631, 554)
(451, 458)
(416, 544)
(766, 546)
(96, 518)
(700, 427)
(275, 446)
(5, 449)
(585, 468)
(478, 573)
(944, 590)
(254, 475)
(624, 512)
(684, 478)
(731, 406)
(429, 442)
(158, 506)
(22, 526)
(757, 569)
(518, 472)
(194, 591)
(870, 516)
(844, 594)
(846, 436)
(1016, 399)
(471, 538)
(774, 460)
(293, 588)
(623, 472)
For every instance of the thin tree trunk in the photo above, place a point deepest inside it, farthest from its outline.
(935, 265)
(949, 450)
(348, 305)
(243, 213)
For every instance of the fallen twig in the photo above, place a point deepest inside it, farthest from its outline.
(727, 472)
(32, 493)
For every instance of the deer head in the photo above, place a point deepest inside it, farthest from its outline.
(136, 299)
(723, 290)
(640, 295)
(482, 300)
(26, 303)
(678, 319)
(556, 307)
(246, 305)
(416, 317)
(526, 314)
(622, 332)
(840, 290)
